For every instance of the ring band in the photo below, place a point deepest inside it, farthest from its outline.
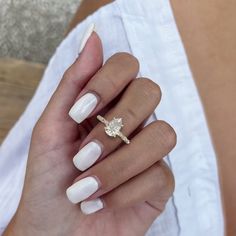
(113, 127)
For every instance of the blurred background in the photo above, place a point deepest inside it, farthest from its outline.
(30, 31)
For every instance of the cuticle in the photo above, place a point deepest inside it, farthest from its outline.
(103, 203)
(98, 181)
(100, 145)
(95, 94)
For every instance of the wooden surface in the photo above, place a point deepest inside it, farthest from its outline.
(18, 81)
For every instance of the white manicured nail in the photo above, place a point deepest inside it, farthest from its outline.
(82, 189)
(87, 156)
(89, 207)
(83, 107)
(86, 36)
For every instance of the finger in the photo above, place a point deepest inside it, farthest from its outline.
(105, 85)
(137, 103)
(84, 67)
(149, 146)
(153, 187)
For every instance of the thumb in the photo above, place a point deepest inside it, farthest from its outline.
(76, 76)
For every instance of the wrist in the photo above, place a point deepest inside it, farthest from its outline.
(19, 227)
(11, 229)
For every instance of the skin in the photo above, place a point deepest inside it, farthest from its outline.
(210, 26)
(207, 29)
(208, 32)
(135, 184)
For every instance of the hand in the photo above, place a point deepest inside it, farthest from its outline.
(128, 185)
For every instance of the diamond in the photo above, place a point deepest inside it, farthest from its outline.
(114, 127)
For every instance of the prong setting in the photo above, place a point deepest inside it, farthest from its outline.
(113, 128)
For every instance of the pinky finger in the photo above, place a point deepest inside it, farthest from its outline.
(152, 188)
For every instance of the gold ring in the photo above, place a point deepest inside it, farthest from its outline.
(113, 127)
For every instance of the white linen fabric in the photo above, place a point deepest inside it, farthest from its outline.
(146, 29)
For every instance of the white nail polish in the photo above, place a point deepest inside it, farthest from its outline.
(86, 36)
(87, 156)
(89, 207)
(83, 107)
(82, 189)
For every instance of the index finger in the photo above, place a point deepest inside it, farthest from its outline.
(78, 74)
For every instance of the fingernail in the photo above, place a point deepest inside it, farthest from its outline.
(83, 107)
(87, 156)
(86, 36)
(82, 189)
(89, 207)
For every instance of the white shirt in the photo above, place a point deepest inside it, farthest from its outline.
(146, 29)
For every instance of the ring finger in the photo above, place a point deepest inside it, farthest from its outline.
(149, 146)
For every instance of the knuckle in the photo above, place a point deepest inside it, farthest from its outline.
(113, 83)
(132, 114)
(106, 81)
(166, 134)
(150, 89)
(169, 135)
(165, 177)
(69, 77)
(67, 74)
(127, 59)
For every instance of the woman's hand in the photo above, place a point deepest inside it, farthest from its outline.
(128, 185)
